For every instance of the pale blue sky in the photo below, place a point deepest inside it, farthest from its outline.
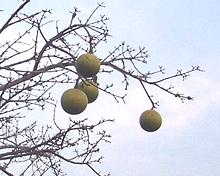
(178, 34)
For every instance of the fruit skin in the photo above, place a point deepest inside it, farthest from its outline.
(150, 120)
(88, 65)
(90, 89)
(74, 101)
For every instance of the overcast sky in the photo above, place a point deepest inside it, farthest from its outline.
(178, 34)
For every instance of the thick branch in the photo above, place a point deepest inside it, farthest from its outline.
(32, 74)
(6, 172)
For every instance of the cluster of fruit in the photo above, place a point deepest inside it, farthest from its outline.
(75, 100)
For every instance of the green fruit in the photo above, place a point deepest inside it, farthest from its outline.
(150, 120)
(74, 101)
(88, 65)
(90, 89)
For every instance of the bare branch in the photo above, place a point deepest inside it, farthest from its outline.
(7, 24)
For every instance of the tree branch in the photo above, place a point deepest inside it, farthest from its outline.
(7, 24)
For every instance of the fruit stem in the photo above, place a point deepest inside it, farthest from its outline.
(152, 102)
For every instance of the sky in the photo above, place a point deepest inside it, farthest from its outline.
(177, 34)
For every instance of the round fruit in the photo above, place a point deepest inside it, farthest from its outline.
(74, 101)
(150, 120)
(90, 89)
(88, 65)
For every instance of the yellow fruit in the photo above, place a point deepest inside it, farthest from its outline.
(150, 120)
(74, 101)
(88, 65)
(90, 89)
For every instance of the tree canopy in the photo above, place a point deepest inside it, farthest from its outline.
(35, 62)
